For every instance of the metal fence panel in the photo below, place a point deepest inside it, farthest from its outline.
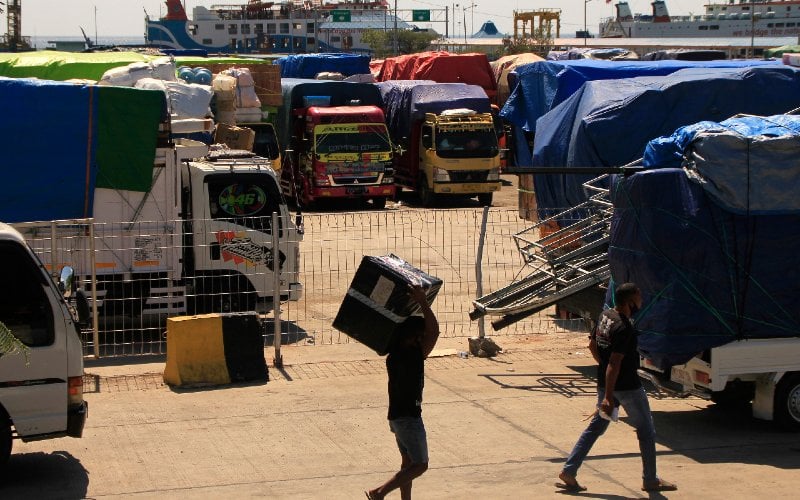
(443, 243)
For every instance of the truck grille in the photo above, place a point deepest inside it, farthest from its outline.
(468, 175)
(340, 180)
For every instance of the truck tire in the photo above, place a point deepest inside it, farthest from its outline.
(5, 441)
(426, 195)
(485, 199)
(787, 402)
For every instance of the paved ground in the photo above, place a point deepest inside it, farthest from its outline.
(498, 428)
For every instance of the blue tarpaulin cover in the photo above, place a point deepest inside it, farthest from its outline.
(64, 140)
(48, 165)
(309, 65)
(539, 87)
(608, 123)
(708, 276)
(406, 101)
(543, 85)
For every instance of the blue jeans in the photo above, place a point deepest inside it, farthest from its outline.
(411, 438)
(638, 410)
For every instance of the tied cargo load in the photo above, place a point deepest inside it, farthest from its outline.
(377, 301)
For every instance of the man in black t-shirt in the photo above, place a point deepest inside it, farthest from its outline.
(405, 366)
(614, 346)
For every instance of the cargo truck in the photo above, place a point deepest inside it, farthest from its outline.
(159, 225)
(201, 240)
(336, 143)
(447, 137)
(41, 384)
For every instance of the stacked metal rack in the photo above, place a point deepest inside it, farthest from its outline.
(565, 262)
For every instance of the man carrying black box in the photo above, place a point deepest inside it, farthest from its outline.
(405, 365)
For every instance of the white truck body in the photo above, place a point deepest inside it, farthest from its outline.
(152, 248)
(41, 396)
(766, 370)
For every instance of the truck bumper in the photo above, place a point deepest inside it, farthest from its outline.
(76, 419)
(355, 191)
(466, 187)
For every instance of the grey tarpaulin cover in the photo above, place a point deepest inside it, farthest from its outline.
(608, 123)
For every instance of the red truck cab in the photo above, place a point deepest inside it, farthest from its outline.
(341, 152)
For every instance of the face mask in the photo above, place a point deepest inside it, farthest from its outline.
(634, 309)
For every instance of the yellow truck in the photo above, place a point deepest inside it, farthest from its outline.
(447, 136)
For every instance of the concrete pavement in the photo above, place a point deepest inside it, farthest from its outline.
(497, 428)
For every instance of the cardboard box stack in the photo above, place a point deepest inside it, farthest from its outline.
(234, 137)
(378, 301)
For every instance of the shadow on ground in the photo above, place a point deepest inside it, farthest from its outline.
(45, 475)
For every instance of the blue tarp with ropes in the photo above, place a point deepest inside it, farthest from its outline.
(309, 65)
(712, 271)
(539, 87)
(608, 123)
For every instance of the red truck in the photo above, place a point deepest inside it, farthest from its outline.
(338, 146)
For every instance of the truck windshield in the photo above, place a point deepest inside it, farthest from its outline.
(466, 143)
(371, 139)
(246, 200)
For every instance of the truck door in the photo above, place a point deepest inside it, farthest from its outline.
(34, 394)
(233, 244)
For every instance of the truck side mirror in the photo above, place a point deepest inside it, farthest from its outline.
(66, 281)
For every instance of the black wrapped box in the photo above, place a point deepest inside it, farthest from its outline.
(378, 300)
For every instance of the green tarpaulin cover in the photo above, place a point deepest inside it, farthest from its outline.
(127, 131)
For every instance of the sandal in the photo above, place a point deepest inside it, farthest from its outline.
(570, 484)
(660, 485)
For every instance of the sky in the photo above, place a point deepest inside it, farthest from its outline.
(126, 17)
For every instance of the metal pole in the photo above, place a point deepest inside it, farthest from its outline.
(95, 320)
(276, 291)
(479, 269)
(464, 11)
(446, 22)
(396, 41)
(585, 32)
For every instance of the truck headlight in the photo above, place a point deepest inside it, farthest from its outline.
(441, 175)
(388, 175)
(494, 174)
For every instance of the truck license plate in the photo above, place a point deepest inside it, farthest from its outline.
(355, 190)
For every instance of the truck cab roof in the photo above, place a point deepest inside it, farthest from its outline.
(243, 164)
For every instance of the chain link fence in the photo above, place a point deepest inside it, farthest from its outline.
(442, 242)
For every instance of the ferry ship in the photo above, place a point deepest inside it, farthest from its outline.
(735, 18)
(258, 27)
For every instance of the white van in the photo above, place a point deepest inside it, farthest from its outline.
(41, 394)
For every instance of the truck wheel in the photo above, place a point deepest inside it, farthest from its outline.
(5, 442)
(787, 402)
(426, 195)
(485, 199)
(379, 203)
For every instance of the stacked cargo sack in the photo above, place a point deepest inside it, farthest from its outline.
(248, 105)
(224, 87)
(162, 68)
